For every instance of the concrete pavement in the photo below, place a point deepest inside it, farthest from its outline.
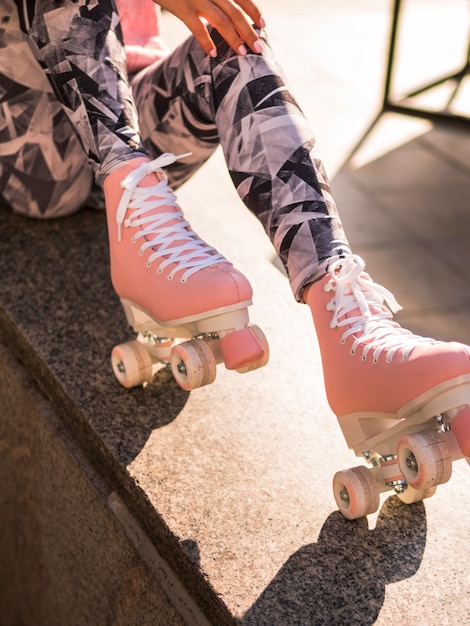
(121, 504)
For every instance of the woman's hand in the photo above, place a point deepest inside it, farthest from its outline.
(229, 17)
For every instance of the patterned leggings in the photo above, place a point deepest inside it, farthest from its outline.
(69, 115)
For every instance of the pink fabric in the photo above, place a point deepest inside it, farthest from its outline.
(140, 23)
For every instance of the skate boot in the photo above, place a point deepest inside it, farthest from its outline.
(402, 401)
(186, 302)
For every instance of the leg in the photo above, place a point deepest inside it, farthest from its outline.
(171, 282)
(372, 367)
(192, 102)
(273, 160)
(79, 46)
(43, 173)
(174, 103)
(43, 169)
(401, 399)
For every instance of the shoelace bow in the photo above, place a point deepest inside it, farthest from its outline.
(373, 327)
(167, 233)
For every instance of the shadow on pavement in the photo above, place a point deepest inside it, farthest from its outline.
(341, 579)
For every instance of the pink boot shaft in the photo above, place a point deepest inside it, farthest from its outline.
(370, 363)
(157, 261)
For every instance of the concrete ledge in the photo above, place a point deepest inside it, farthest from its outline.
(68, 431)
(154, 506)
(71, 552)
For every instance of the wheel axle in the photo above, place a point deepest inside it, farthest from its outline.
(411, 462)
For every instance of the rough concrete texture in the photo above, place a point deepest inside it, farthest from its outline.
(65, 558)
(232, 483)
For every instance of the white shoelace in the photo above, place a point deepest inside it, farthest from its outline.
(172, 243)
(374, 330)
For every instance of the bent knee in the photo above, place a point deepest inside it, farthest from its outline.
(33, 195)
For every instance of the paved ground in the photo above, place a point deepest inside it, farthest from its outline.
(284, 556)
(240, 472)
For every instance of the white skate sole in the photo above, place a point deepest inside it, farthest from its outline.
(192, 346)
(410, 452)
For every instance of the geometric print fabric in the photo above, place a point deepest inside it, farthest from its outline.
(68, 116)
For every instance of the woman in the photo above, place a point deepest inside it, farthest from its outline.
(79, 115)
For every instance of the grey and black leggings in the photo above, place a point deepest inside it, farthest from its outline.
(69, 115)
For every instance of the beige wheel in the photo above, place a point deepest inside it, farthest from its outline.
(410, 495)
(424, 460)
(193, 364)
(261, 337)
(132, 364)
(356, 492)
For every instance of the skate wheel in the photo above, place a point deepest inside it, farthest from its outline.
(132, 364)
(261, 337)
(242, 348)
(424, 460)
(461, 429)
(193, 364)
(356, 492)
(410, 495)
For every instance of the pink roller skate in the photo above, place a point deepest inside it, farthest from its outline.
(402, 400)
(185, 301)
